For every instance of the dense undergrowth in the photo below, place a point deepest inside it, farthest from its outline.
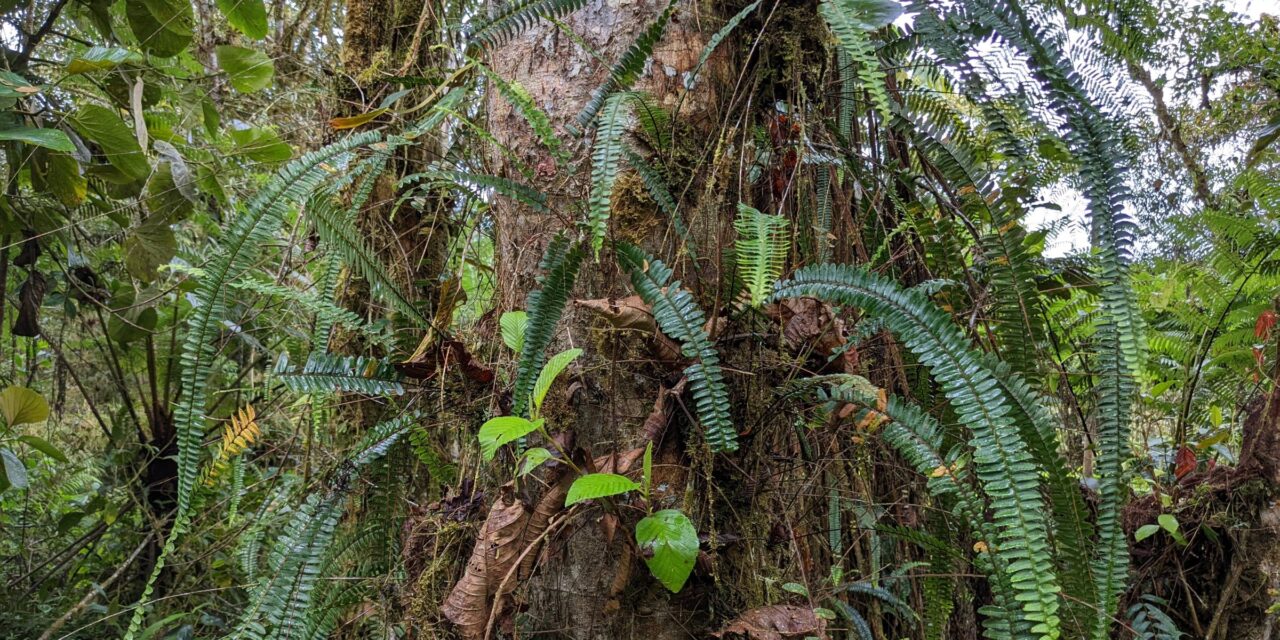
(843, 318)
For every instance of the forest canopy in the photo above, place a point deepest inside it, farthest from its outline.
(663, 319)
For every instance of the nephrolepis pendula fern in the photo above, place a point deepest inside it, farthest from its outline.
(1094, 142)
(282, 603)
(516, 17)
(328, 373)
(627, 70)
(606, 162)
(1004, 467)
(852, 29)
(761, 250)
(545, 305)
(241, 244)
(679, 316)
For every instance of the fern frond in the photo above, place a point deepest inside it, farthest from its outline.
(657, 187)
(329, 373)
(1150, 622)
(679, 316)
(518, 97)
(606, 161)
(545, 305)
(239, 433)
(628, 68)
(242, 242)
(517, 17)
(1005, 467)
(469, 181)
(327, 314)
(718, 37)
(842, 18)
(761, 250)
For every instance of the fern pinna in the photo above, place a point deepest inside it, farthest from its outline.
(243, 241)
(679, 316)
(1004, 466)
(517, 17)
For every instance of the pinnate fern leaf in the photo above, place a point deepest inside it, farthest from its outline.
(761, 250)
(680, 317)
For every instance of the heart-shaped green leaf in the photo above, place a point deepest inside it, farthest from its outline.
(669, 543)
(20, 405)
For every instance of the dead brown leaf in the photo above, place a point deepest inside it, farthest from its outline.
(775, 622)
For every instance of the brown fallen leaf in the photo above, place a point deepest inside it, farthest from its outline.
(622, 313)
(809, 323)
(499, 544)
(429, 360)
(775, 622)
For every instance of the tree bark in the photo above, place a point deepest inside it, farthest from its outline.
(574, 595)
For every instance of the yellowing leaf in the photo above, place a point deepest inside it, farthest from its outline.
(20, 405)
(351, 122)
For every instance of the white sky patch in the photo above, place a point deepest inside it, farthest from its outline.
(1070, 226)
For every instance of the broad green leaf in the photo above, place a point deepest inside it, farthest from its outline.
(20, 405)
(247, 70)
(65, 180)
(148, 246)
(104, 127)
(503, 429)
(1145, 531)
(44, 446)
(165, 199)
(101, 59)
(248, 16)
(669, 543)
(598, 485)
(550, 371)
(533, 458)
(796, 588)
(47, 138)
(14, 471)
(262, 145)
(162, 27)
(513, 324)
(13, 85)
(1168, 522)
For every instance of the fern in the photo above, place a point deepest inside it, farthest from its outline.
(1004, 464)
(628, 68)
(1150, 622)
(850, 30)
(524, 194)
(337, 229)
(517, 17)
(328, 373)
(606, 160)
(239, 433)
(242, 242)
(761, 250)
(545, 305)
(518, 97)
(679, 316)
(282, 603)
(327, 314)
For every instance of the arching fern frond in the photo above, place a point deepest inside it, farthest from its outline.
(241, 244)
(474, 182)
(517, 17)
(761, 250)
(1004, 466)
(679, 316)
(628, 68)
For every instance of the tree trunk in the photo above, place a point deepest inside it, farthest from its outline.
(574, 594)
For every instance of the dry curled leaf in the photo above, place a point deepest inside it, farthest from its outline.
(775, 622)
